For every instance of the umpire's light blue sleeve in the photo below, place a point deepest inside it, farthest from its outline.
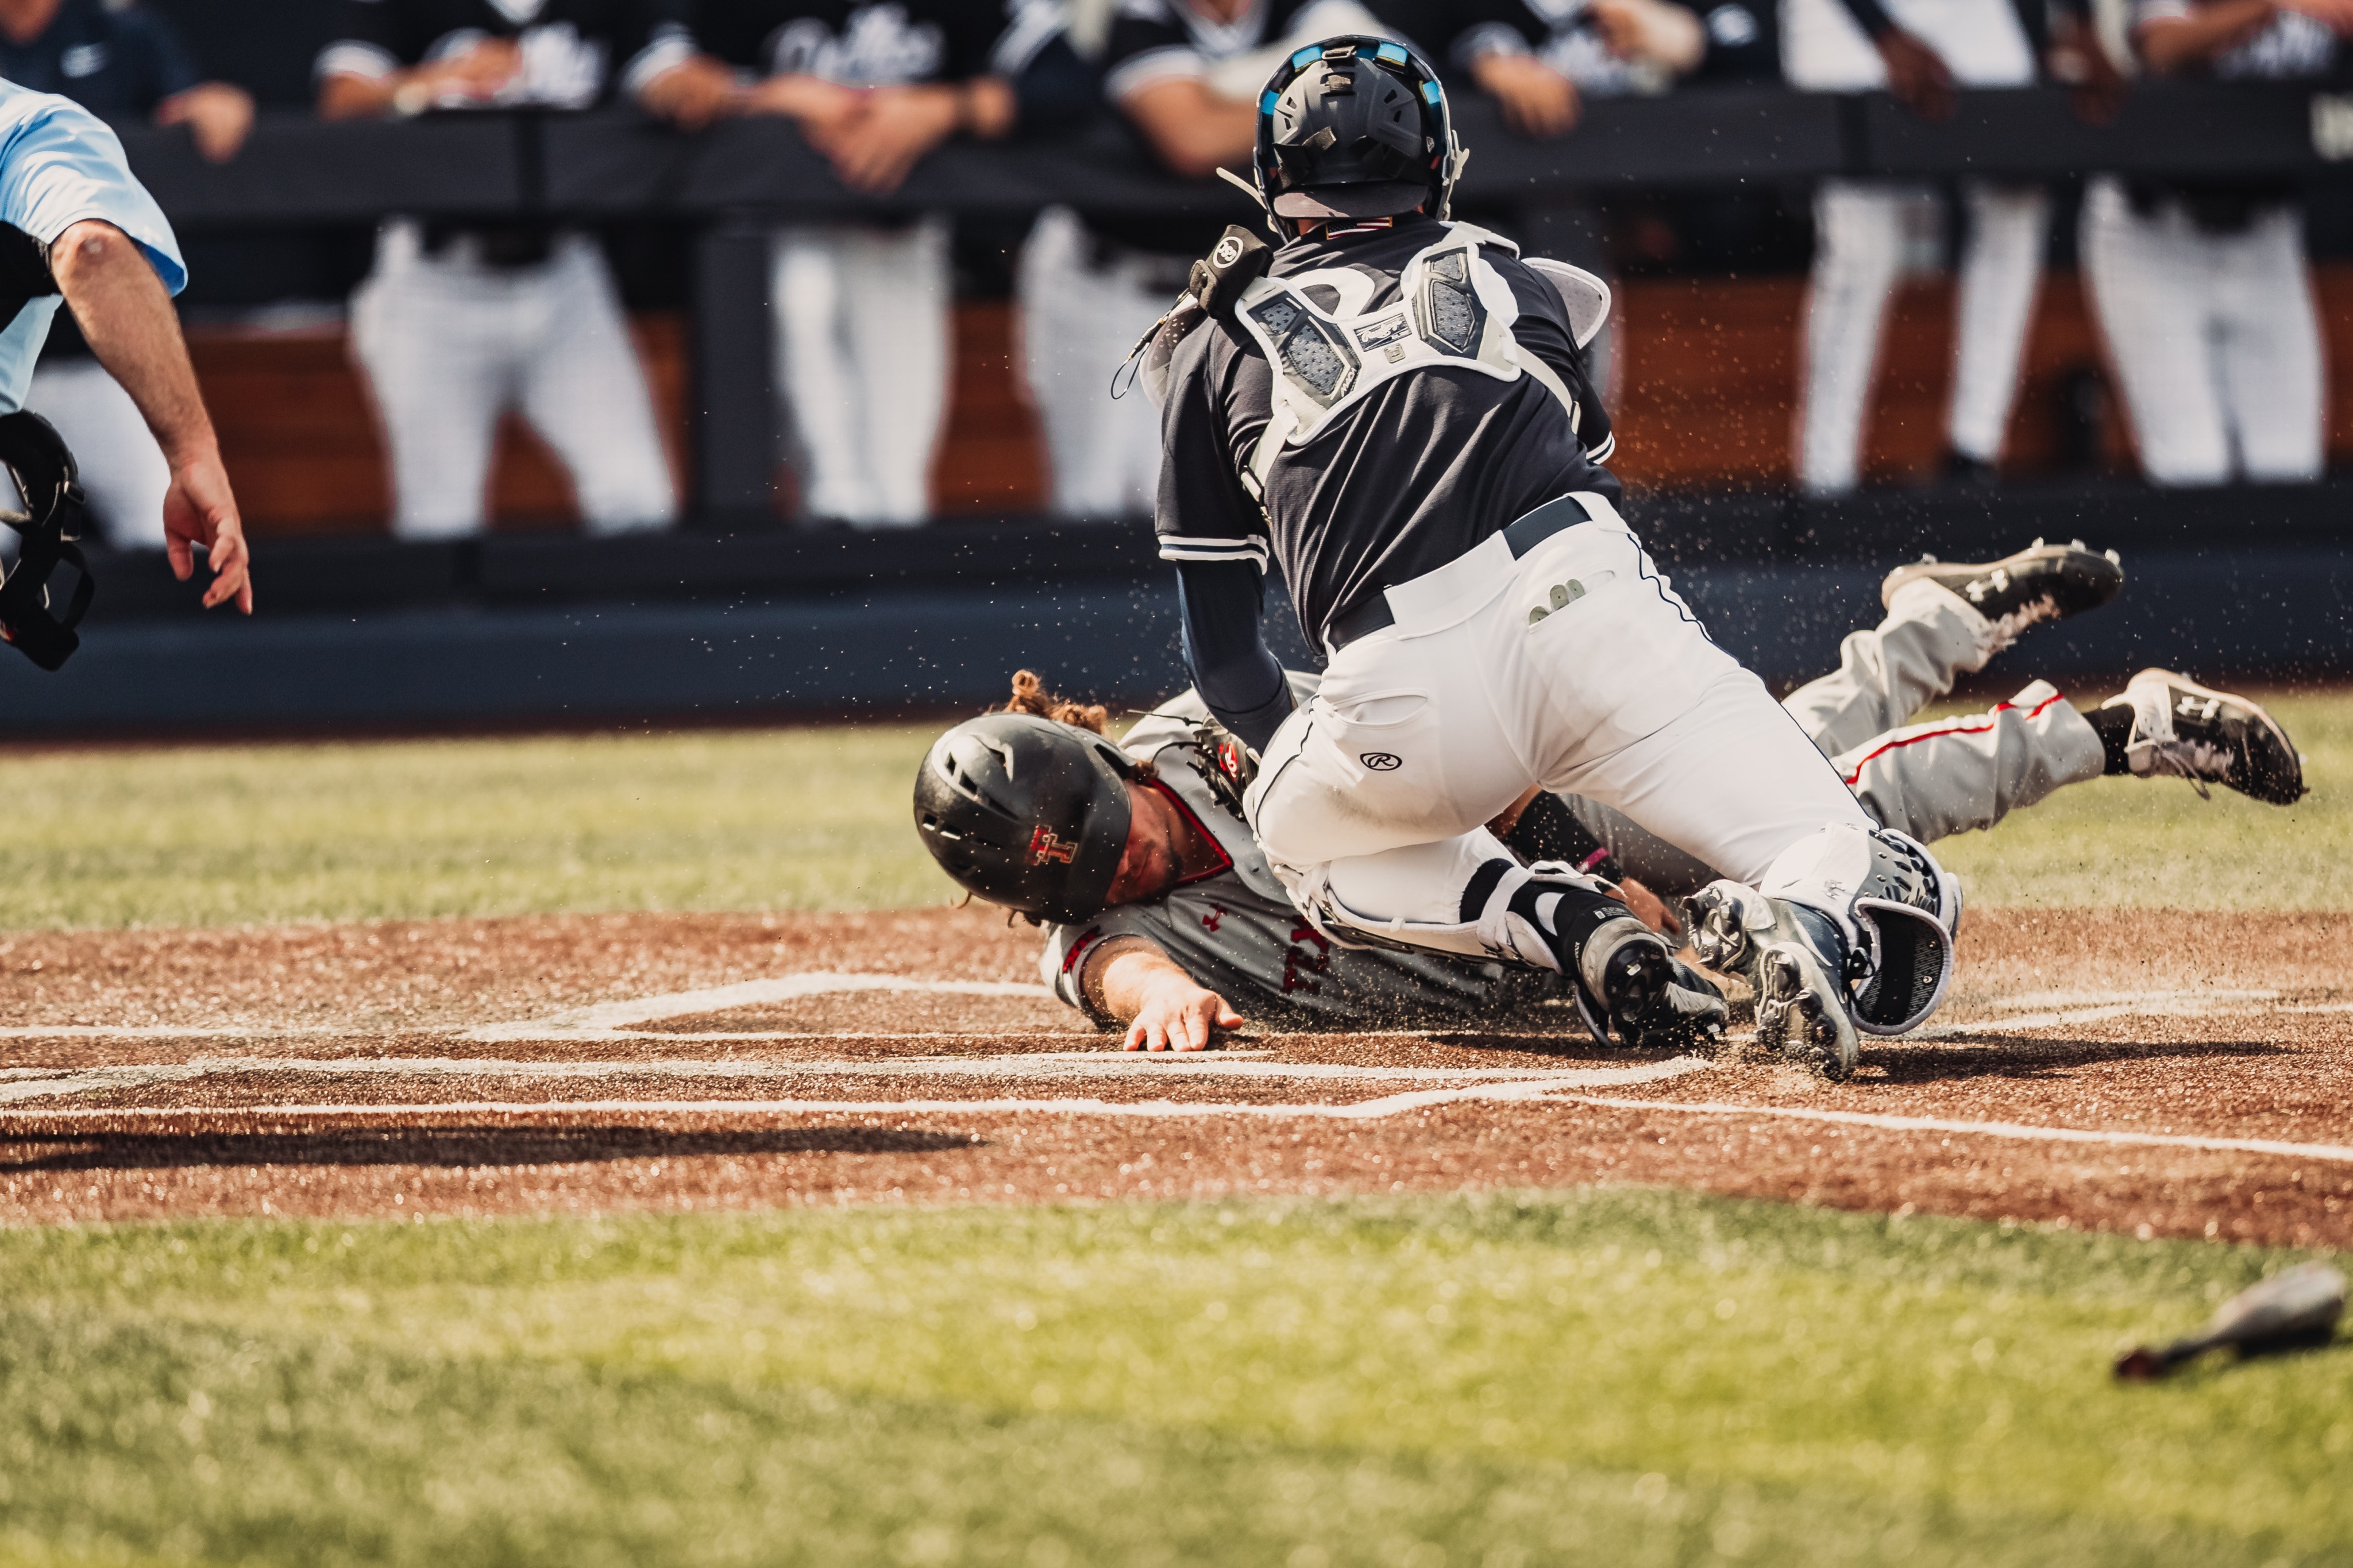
(59, 166)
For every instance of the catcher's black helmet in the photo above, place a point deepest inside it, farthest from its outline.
(1353, 127)
(1027, 813)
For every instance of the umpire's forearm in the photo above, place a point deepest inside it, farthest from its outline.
(127, 317)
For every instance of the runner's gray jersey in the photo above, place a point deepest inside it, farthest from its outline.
(1236, 932)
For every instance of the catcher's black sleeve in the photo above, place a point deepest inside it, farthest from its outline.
(1224, 611)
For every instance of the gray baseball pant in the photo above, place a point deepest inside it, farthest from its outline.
(1930, 780)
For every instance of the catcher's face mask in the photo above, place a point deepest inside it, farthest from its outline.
(51, 516)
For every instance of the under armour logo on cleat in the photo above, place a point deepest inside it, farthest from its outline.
(2191, 707)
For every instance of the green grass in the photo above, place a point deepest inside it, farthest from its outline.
(818, 819)
(780, 819)
(1612, 1377)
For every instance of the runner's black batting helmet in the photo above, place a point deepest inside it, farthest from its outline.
(1027, 813)
(1353, 127)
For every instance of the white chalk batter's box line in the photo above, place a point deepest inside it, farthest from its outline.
(1548, 1089)
(1505, 1084)
(612, 1021)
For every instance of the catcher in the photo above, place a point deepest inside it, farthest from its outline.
(1165, 919)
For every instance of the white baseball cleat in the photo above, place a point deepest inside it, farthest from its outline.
(2187, 730)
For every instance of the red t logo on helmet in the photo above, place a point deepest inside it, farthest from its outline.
(1045, 845)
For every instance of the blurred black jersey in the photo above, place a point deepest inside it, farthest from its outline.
(878, 43)
(1742, 38)
(574, 51)
(117, 61)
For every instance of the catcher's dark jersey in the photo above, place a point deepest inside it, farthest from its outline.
(1404, 481)
(877, 43)
(1236, 932)
(574, 51)
(117, 62)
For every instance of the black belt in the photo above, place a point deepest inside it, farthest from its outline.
(1375, 614)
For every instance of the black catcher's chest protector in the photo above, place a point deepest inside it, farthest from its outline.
(54, 515)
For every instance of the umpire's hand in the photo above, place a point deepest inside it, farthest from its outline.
(200, 510)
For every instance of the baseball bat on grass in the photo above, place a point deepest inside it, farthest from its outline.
(2298, 1307)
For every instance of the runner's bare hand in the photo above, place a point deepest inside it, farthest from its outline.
(1178, 1016)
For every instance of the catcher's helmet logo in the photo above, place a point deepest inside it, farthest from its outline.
(1380, 762)
(1044, 846)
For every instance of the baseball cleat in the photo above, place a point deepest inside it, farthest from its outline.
(1799, 1016)
(2041, 582)
(2184, 730)
(1793, 958)
(1629, 982)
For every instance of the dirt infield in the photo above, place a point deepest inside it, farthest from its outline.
(2148, 1073)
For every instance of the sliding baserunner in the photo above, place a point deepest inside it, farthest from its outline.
(1167, 920)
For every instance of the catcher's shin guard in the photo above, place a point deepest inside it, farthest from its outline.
(1852, 933)
(52, 522)
(1623, 976)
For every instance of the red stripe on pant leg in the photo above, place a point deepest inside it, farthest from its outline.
(1968, 727)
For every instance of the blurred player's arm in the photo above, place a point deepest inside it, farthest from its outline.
(1652, 32)
(1195, 131)
(2187, 37)
(1917, 74)
(126, 315)
(364, 73)
(673, 79)
(218, 114)
(1131, 980)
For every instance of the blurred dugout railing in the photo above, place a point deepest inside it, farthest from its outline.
(736, 617)
(731, 180)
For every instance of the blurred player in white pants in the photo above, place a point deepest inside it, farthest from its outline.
(1919, 49)
(1075, 304)
(1185, 74)
(863, 316)
(457, 324)
(453, 341)
(862, 309)
(2200, 290)
(127, 476)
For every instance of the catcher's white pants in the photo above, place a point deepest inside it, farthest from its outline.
(449, 344)
(123, 471)
(1929, 780)
(1078, 321)
(2213, 337)
(1859, 245)
(862, 320)
(1422, 733)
